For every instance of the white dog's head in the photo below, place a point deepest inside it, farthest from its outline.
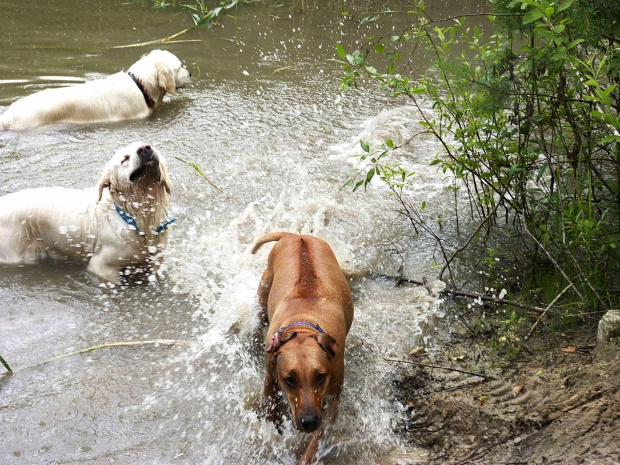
(163, 70)
(136, 173)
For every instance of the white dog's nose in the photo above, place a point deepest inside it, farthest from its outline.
(145, 153)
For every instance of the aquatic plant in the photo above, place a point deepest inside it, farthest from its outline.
(200, 14)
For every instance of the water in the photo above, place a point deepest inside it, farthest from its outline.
(267, 124)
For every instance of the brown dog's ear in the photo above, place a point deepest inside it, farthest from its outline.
(103, 183)
(165, 78)
(278, 339)
(327, 343)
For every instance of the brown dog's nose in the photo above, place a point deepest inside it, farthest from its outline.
(145, 153)
(310, 423)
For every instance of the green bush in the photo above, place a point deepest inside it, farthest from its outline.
(529, 122)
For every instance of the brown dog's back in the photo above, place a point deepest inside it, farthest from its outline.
(304, 267)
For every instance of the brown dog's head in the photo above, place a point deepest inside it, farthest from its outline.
(302, 362)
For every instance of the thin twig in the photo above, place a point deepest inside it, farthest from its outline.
(553, 261)
(471, 237)
(110, 344)
(481, 375)
(198, 169)
(547, 309)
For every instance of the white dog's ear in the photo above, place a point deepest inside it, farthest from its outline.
(103, 183)
(165, 78)
(164, 178)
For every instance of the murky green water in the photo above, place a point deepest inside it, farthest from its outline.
(265, 120)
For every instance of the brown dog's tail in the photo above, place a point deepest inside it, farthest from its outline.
(274, 236)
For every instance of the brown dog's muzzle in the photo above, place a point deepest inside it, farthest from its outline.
(310, 422)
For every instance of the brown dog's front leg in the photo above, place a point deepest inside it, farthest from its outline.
(272, 402)
(309, 456)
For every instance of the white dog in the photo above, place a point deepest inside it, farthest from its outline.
(119, 223)
(121, 96)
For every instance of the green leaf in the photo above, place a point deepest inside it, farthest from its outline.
(370, 175)
(379, 48)
(612, 121)
(563, 6)
(541, 171)
(515, 168)
(574, 43)
(340, 51)
(611, 138)
(365, 146)
(369, 19)
(532, 16)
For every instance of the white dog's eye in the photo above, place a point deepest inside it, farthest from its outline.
(125, 158)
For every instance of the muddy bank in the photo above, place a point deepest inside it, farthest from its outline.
(556, 402)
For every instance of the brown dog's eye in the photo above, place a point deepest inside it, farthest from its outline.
(290, 381)
(125, 158)
(320, 378)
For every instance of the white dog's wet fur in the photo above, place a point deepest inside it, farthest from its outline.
(86, 225)
(115, 98)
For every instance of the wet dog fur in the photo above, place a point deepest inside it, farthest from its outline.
(114, 98)
(84, 225)
(304, 283)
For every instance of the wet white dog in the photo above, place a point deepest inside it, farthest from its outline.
(122, 222)
(124, 95)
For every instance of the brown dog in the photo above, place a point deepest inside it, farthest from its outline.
(305, 298)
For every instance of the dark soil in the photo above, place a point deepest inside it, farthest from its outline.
(556, 401)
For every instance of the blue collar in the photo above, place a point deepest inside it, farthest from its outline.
(133, 225)
(302, 323)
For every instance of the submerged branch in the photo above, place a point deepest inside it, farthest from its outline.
(473, 295)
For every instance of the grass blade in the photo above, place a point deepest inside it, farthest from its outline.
(6, 365)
